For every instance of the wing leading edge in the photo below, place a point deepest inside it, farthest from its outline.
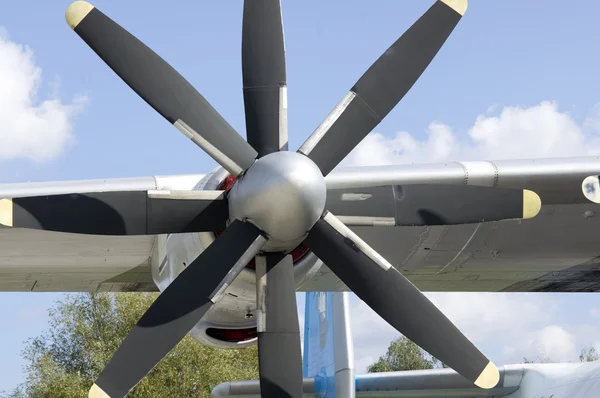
(42, 261)
(47, 261)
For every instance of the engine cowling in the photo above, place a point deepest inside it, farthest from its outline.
(231, 322)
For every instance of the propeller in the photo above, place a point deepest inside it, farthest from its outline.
(279, 200)
(178, 309)
(277, 325)
(161, 86)
(382, 86)
(383, 288)
(119, 213)
(263, 71)
(411, 205)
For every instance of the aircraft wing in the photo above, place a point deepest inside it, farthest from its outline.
(555, 251)
(33, 260)
(415, 383)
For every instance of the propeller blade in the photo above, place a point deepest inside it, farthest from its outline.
(279, 352)
(383, 85)
(161, 86)
(422, 205)
(263, 68)
(178, 309)
(119, 213)
(383, 288)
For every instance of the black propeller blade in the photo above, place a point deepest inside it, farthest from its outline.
(409, 205)
(383, 288)
(279, 351)
(161, 86)
(178, 309)
(119, 213)
(263, 69)
(382, 86)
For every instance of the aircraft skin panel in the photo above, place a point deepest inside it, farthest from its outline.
(555, 251)
(561, 176)
(529, 255)
(561, 380)
(41, 261)
(436, 383)
(174, 182)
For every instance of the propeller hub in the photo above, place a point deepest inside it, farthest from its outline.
(282, 193)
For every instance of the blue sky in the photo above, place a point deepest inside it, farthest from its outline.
(505, 53)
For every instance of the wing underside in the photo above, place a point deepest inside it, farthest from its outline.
(43, 261)
(555, 251)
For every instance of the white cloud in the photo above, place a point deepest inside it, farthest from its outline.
(553, 342)
(513, 325)
(505, 326)
(515, 132)
(482, 316)
(30, 128)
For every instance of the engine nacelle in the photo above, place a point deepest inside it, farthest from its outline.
(231, 322)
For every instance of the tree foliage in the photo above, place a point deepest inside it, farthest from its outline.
(587, 355)
(87, 328)
(403, 354)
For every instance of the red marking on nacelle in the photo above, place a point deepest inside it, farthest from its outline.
(232, 335)
(297, 254)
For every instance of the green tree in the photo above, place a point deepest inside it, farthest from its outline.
(403, 354)
(539, 359)
(587, 355)
(87, 328)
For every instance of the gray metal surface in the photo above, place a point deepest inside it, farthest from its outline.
(44, 261)
(264, 77)
(284, 194)
(176, 182)
(560, 177)
(251, 389)
(561, 380)
(432, 383)
(555, 251)
(343, 349)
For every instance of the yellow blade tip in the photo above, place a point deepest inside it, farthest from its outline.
(97, 392)
(76, 12)
(460, 6)
(6, 212)
(532, 204)
(489, 378)
(591, 188)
